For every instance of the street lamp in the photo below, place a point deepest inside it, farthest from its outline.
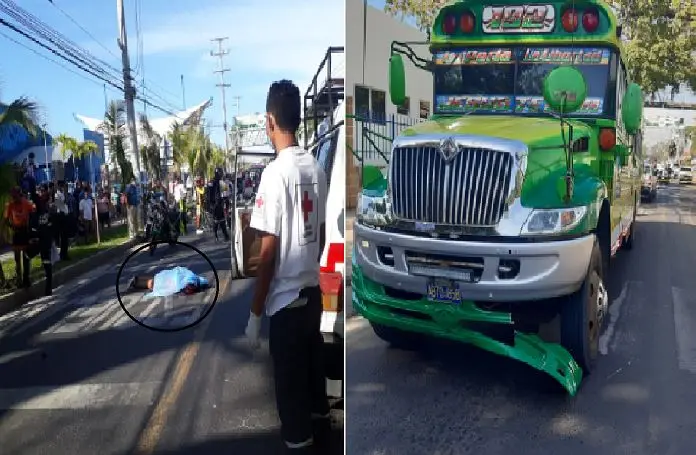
(48, 171)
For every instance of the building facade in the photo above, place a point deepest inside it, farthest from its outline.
(371, 117)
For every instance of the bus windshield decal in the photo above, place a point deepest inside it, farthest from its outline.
(474, 57)
(536, 105)
(460, 104)
(566, 56)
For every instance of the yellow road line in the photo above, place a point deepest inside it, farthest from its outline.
(151, 434)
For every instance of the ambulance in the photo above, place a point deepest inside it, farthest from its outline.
(329, 150)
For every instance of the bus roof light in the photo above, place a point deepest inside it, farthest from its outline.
(449, 24)
(590, 20)
(570, 20)
(467, 22)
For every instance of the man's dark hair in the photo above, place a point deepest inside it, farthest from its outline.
(283, 103)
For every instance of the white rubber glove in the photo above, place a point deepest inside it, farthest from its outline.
(252, 331)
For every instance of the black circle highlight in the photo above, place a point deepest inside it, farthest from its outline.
(165, 329)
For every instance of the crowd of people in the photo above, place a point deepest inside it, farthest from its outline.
(45, 219)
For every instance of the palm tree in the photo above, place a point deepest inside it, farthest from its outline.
(21, 112)
(114, 128)
(181, 144)
(67, 143)
(150, 150)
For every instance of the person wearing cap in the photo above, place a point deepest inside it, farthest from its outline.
(17, 214)
(289, 217)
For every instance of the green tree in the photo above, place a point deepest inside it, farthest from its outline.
(114, 128)
(150, 149)
(67, 144)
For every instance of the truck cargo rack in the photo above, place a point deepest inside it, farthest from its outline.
(324, 94)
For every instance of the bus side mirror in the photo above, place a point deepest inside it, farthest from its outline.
(632, 108)
(565, 89)
(397, 80)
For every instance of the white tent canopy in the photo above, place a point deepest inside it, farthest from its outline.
(161, 126)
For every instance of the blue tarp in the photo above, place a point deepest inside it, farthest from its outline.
(172, 281)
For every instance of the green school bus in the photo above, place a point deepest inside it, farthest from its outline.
(495, 221)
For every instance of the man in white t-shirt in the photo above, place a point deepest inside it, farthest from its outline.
(180, 199)
(289, 217)
(87, 214)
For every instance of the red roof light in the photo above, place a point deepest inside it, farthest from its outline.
(467, 22)
(570, 20)
(590, 20)
(449, 24)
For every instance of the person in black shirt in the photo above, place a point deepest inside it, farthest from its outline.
(41, 235)
(215, 205)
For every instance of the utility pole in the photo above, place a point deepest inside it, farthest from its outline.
(129, 93)
(220, 54)
(128, 88)
(237, 98)
(183, 91)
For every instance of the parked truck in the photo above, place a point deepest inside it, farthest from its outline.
(496, 220)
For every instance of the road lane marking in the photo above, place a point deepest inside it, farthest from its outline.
(152, 433)
(685, 328)
(79, 396)
(614, 314)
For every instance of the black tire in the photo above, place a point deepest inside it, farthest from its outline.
(582, 319)
(627, 242)
(399, 339)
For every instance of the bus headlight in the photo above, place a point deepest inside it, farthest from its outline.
(553, 221)
(372, 209)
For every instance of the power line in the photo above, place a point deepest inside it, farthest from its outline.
(46, 57)
(78, 65)
(73, 53)
(83, 29)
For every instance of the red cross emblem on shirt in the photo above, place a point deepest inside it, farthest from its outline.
(259, 202)
(307, 206)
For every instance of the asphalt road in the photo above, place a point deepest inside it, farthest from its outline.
(79, 377)
(451, 399)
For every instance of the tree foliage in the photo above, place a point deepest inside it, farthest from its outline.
(660, 37)
(422, 11)
(660, 41)
(150, 148)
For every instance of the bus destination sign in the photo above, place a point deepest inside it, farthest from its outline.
(519, 19)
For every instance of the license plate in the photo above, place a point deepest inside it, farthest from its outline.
(444, 293)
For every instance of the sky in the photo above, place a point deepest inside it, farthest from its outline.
(268, 40)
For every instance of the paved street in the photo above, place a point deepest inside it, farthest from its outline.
(79, 377)
(450, 399)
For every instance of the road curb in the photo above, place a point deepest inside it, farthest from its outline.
(18, 298)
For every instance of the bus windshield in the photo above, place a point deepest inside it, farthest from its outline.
(510, 80)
